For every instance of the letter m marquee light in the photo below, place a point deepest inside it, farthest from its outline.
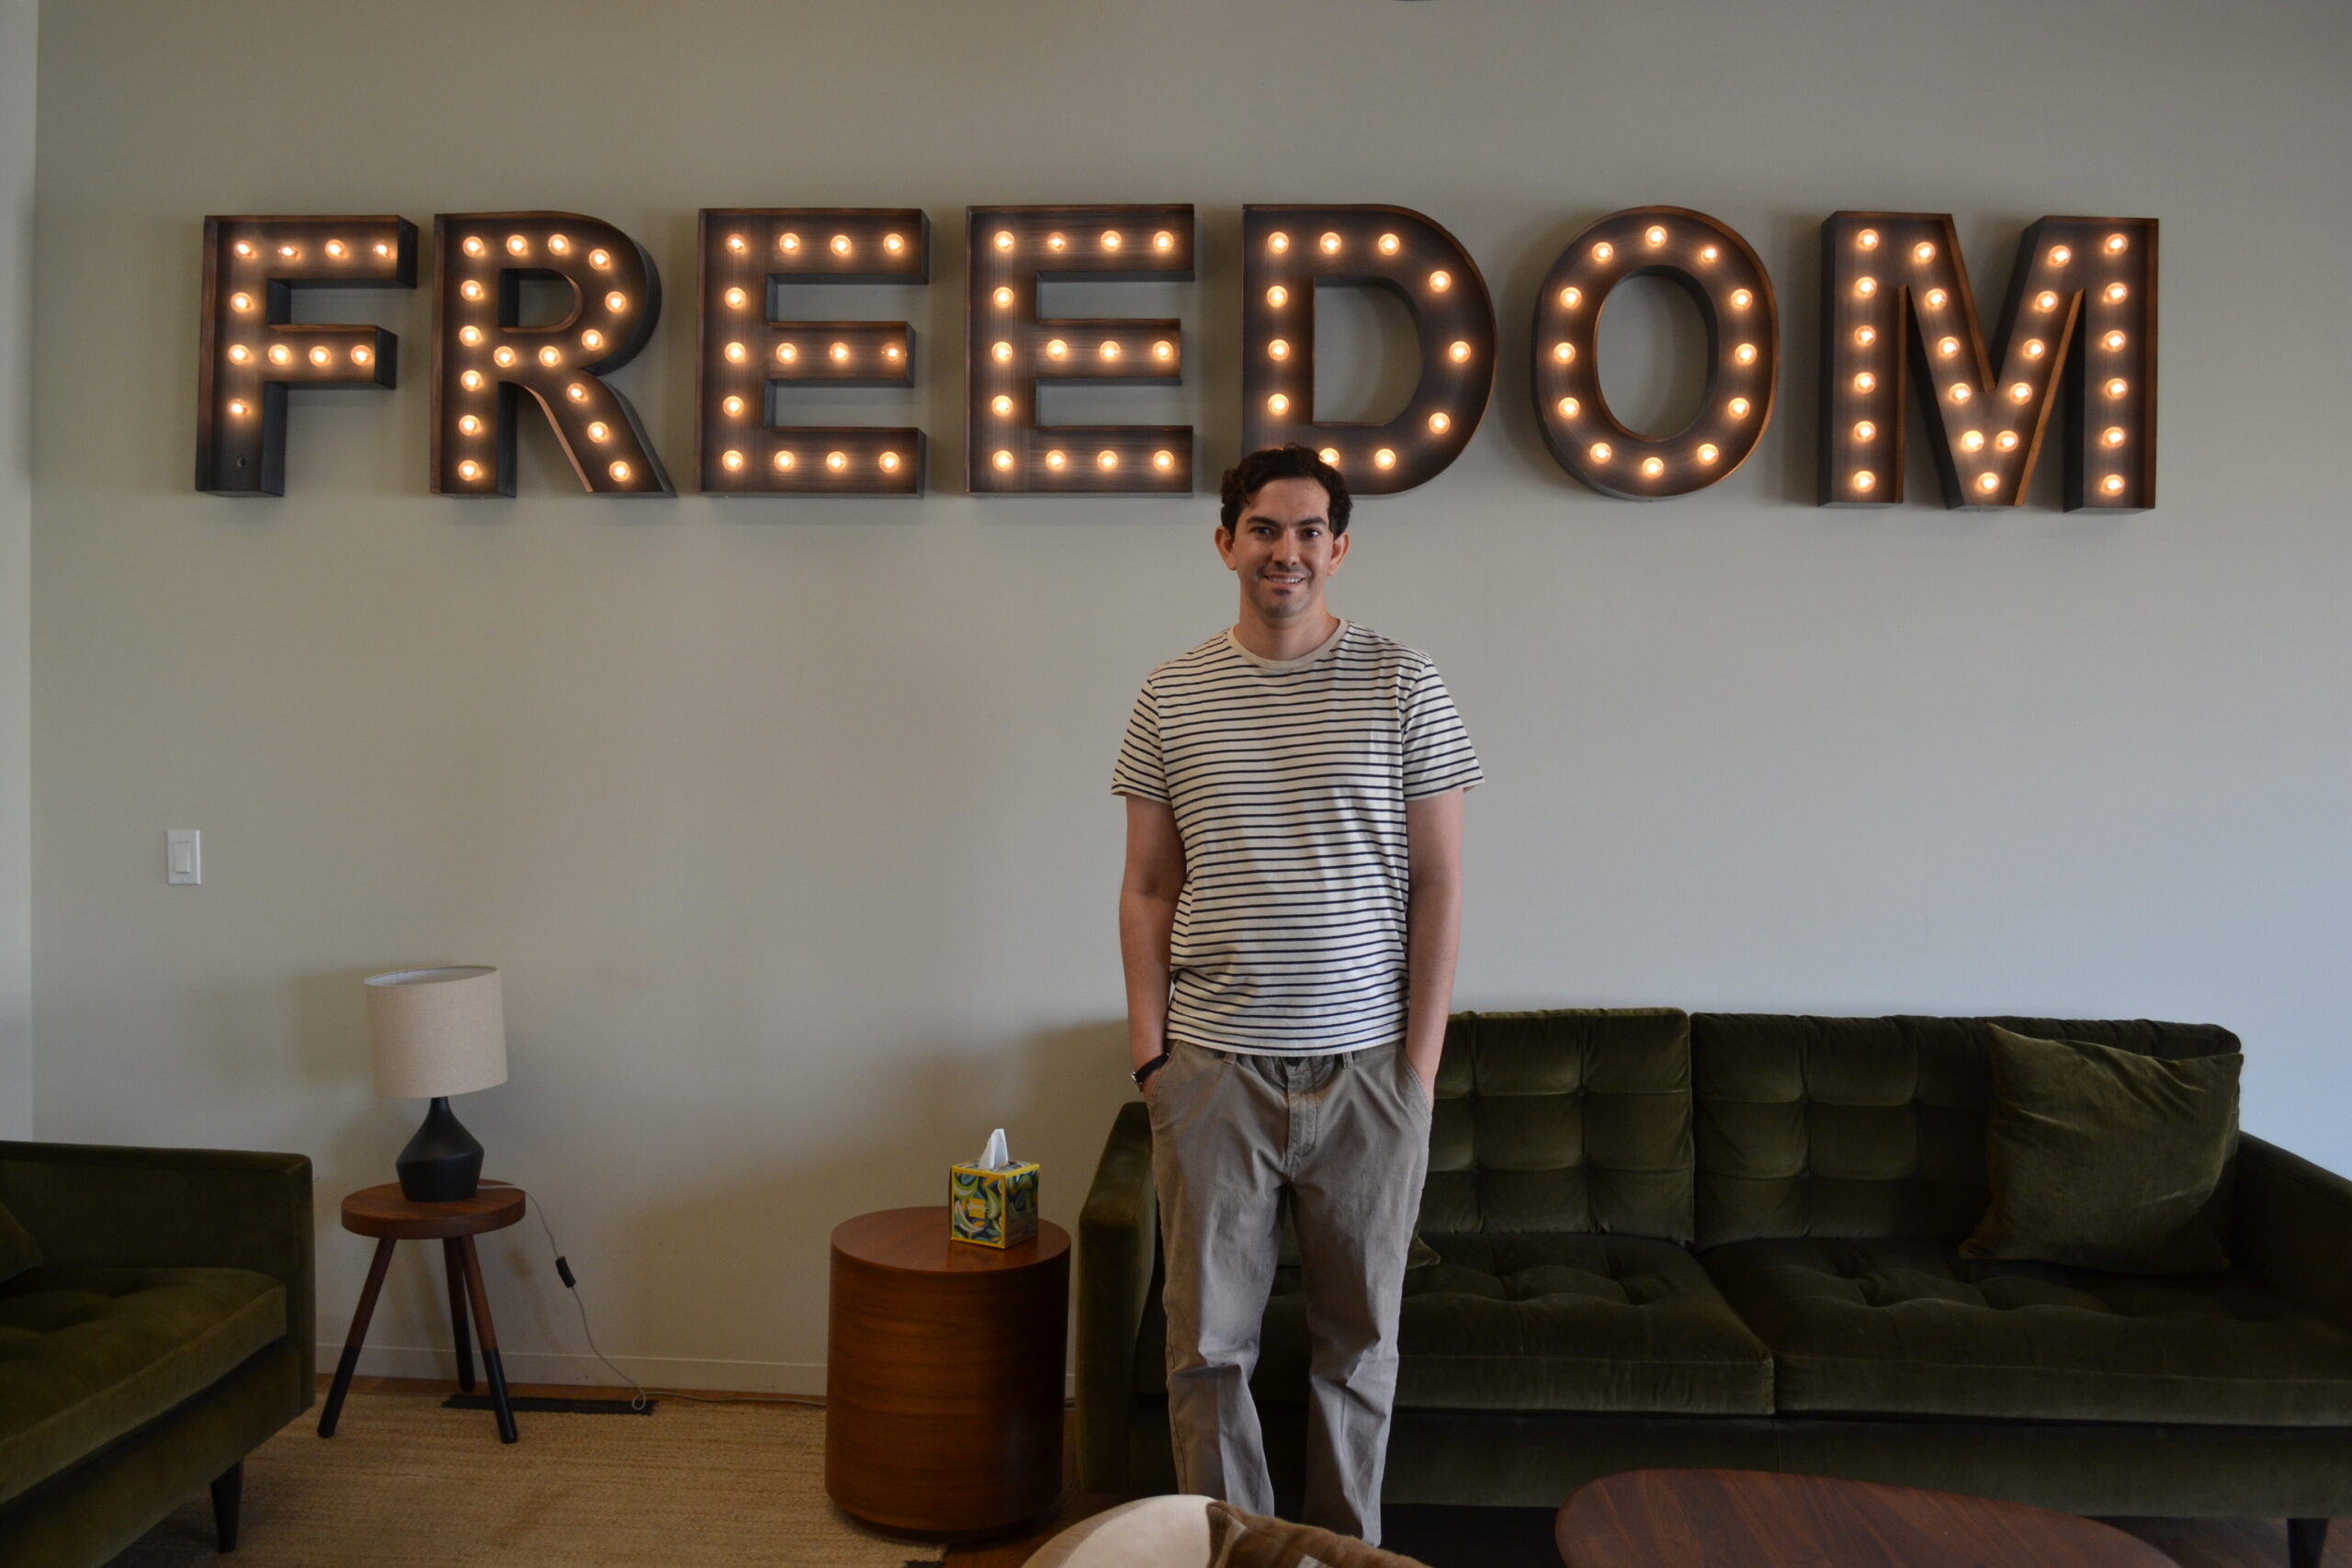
(2079, 326)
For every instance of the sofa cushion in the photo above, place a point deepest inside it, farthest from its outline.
(1569, 1121)
(18, 1251)
(1867, 1126)
(2103, 1158)
(1588, 1323)
(1914, 1329)
(88, 1354)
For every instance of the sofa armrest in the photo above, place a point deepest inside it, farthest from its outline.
(2292, 1229)
(100, 1204)
(1118, 1242)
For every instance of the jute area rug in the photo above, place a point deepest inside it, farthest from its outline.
(404, 1482)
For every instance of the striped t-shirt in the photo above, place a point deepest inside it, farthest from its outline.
(1288, 780)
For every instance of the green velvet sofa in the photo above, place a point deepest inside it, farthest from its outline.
(1733, 1240)
(166, 1332)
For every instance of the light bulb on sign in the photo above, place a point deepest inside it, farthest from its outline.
(1004, 243)
(1001, 352)
(1163, 241)
(889, 462)
(1863, 479)
(1867, 239)
(2112, 484)
(2035, 348)
(840, 352)
(1948, 346)
(1653, 467)
(1935, 297)
(551, 356)
(599, 259)
(617, 302)
(1604, 251)
(620, 472)
(2020, 392)
(1923, 251)
(1331, 243)
(735, 297)
(1001, 406)
(841, 244)
(1163, 460)
(788, 353)
(1709, 253)
(1003, 298)
(1385, 457)
(1057, 349)
(1163, 350)
(1390, 244)
(1599, 451)
(1959, 392)
(1057, 241)
(2112, 436)
(281, 354)
(516, 244)
(1741, 299)
(1571, 297)
(290, 252)
(470, 290)
(1278, 405)
(2117, 293)
(471, 380)
(837, 461)
(1708, 452)
(243, 249)
(470, 336)
(1278, 241)
(2007, 441)
(1864, 430)
(1440, 423)
(1971, 441)
(1440, 280)
(1329, 455)
(559, 243)
(241, 301)
(2115, 244)
(598, 429)
(1569, 408)
(473, 245)
(1107, 350)
(787, 241)
(320, 356)
(1057, 461)
(237, 407)
(1655, 235)
(1988, 482)
(2118, 387)
(1866, 286)
(732, 461)
(591, 340)
(1278, 296)
(2112, 341)
(786, 462)
(1564, 351)
(1744, 353)
(734, 407)
(1866, 336)
(1002, 460)
(578, 393)
(1278, 349)
(1106, 459)
(1865, 382)
(469, 469)
(1738, 407)
(239, 354)
(736, 352)
(894, 243)
(2060, 255)
(891, 352)
(1459, 352)
(2045, 301)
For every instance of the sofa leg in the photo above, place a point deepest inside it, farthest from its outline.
(229, 1491)
(2306, 1539)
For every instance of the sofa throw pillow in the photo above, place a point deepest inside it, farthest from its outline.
(18, 1251)
(1251, 1541)
(2103, 1158)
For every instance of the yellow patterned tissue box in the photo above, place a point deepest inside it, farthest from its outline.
(992, 1207)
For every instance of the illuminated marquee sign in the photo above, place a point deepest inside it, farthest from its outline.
(2078, 331)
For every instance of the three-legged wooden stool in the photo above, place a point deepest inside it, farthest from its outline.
(382, 1212)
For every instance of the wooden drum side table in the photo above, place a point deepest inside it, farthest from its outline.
(944, 1374)
(382, 1212)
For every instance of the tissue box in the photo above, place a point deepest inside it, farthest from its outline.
(992, 1208)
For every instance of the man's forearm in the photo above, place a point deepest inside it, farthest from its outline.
(1432, 937)
(1145, 924)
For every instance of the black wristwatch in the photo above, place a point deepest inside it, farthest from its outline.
(1148, 1068)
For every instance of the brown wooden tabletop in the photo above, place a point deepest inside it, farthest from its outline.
(1745, 1518)
(917, 1241)
(382, 1212)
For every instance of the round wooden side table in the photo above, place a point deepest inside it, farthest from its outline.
(944, 1374)
(382, 1212)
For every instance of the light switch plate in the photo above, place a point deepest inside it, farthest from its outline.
(183, 856)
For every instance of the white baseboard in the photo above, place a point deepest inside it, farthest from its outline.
(805, 1378)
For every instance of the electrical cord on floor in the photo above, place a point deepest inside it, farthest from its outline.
(643, 1395)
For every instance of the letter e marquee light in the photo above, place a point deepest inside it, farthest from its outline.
(253, 349)
(1009, 349)
(1285, 253)
(1726, 281)
(747, 254)
(2082, 306)
(483, 358)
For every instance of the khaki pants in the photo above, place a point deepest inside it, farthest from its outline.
(1347, 1136)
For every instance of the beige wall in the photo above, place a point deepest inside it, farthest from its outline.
(788, 821)
(19, 53)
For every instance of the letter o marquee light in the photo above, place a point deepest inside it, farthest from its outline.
(1285, 253)
(1726, 280)
(483, 359)
(254, 350)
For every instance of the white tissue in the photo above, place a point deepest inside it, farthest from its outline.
(993, 1157)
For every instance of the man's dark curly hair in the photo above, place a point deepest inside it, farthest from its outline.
(1254, 472)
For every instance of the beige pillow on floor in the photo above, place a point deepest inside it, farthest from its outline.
(1250, 1540)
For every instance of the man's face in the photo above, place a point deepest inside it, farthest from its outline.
(1282, 549)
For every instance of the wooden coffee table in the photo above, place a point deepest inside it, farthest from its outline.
(1745, 1518)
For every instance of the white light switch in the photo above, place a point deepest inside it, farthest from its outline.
(183, 856)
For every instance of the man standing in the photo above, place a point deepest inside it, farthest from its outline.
(1288, 922)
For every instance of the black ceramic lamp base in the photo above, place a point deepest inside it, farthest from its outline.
(442, 1163)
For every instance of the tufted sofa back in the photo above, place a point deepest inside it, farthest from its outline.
(1574, 1121)
(1865, 1127)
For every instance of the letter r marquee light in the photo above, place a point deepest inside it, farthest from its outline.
(252, 350)
(2082, 305)
(748, 255)
(1009, 349)
(485, 359)
(1285, 253)
(1724, 278)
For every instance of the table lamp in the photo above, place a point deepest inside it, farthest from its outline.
(436, 1032)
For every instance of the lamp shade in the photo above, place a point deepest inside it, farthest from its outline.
(437, 1032)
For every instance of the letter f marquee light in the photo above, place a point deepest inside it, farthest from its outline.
(254, 350)
(2080, 325)
(1285, 253)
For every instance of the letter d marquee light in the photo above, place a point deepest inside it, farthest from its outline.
(1285, 253)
